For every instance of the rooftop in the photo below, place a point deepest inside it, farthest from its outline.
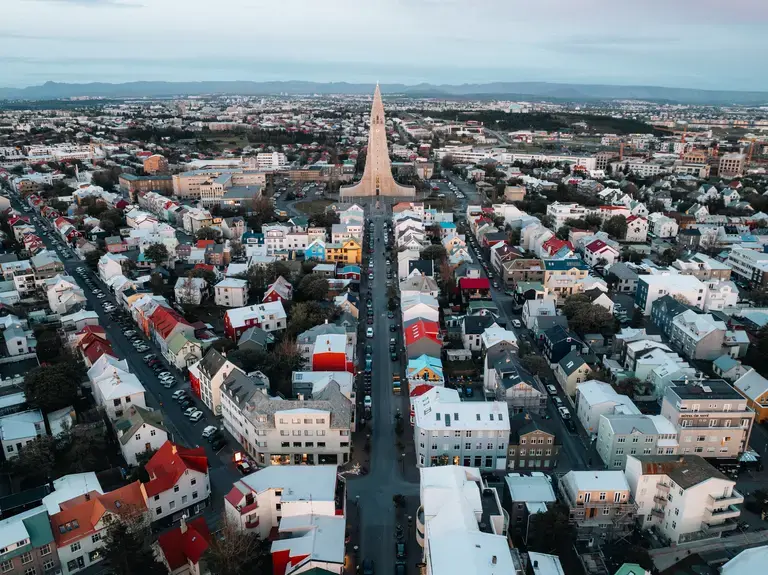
(685, 470)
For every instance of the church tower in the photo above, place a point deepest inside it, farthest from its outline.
(377, 177)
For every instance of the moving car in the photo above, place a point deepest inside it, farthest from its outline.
(551, 389)
(516, 323)
(369, 332)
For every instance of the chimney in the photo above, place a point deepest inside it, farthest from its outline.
(535, 564)
(493, 560)
(173, 448)
(183, 524)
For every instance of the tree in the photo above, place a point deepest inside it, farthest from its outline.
(92, 258)
(433, 252)
(627, 386)
(307, 314)
(51, 387)
(583, 317)
(312, 287)
(128, 552)
(36, 459)
(616, 227)
(681, 298)
(223, 345)
(156, 253)
(234, 552)
(563, 233)
(514, 236)
(534, 364)
(447, 163)
(206, 274)
(207, 233)
(551, 532)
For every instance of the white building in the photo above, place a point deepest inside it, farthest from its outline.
(114, 387)
(652, 287)
(138, 431)
(18, 429)
(111, 265)
(472, 434)
(231, 292)
(178, 482)
(564, 211)
(461, 525)
(190, 290)
(266, 161)
(749, 265)
(595, 398)
(620, 435)
(661, 226)
(684, 497)
(213, 369)
(288, 432)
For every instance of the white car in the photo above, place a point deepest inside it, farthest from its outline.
(178, 393)
(129, 333)
(551, 389)
(196, 416)
(516, 323)
(209, 430)
(368, 402)
(369, 332)
(163, 374)
(100, 296)
(190, 410)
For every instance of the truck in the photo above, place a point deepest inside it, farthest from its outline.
(396, 384)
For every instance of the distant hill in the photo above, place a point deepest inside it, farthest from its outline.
(516, 90)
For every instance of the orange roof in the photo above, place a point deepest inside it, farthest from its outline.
(80, 516)
(169, 463)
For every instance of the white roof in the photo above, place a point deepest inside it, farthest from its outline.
(320, 379)
(331, 343)
(534, 488)
(442, 408)
(497, 334)
(299, 483)
(595, 392)
(12, 399)
(232, 283)
(240, 315)
(748, 561)
(752, 384)
(120, 384)
(107, 365)
(677, 281)
(71, 486)
(697, 325)
(21, 425)
(236, 269)
(321, 537)
(596, 481)
(543, 564)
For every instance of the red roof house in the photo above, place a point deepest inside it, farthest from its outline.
(422, 337)
(167, 322)
(177, 474)
(185, 545)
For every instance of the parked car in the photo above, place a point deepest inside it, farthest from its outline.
(558, 401)
(178, 394)
(551, 389)
(516, 323)
(369, 332)
(209, 430)
(196, 416)
(190, 410)
(218, 443)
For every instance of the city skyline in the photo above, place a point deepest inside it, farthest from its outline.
(682, 44)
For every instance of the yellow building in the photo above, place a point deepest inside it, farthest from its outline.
(347, 252)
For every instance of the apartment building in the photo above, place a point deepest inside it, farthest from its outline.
(27, 544)
(620, 435)
(703, 267)
(268, 316)
(661, 226)
(266, 161)
(698, 335)
(749, 265)
(731, 165)
(599, 503)
(461, 525)
(212, 370)
(210, 185)
(524, 496)
(532, 444)
(231, 292)
(449, 431)
(564, 277)
(652, 287)
(711, 417)
(522, 270)
(682, 496)
(565, 211)
(292, 431)
(156, 164)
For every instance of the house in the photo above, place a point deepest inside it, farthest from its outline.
(63, 293)
(140, 431)
(599, 253)
(746, 561)
(183, 350)
(620, 435)
(268, 316)
(231, 292)
(166, 322)
(419, 285)
(281, 290)
(114, 388)
(661, 226)
(684, 498)
(81, 514)
(422, 337)
(348, 303)
(419, 306)
(178, 482)
(28, 543)
(622, 278)
(754, 388)
(213, 369)
(111, 265)
(595, 399)
(331, 353)
(652, 287)
(472, 329)
(526, 495)
(190, 290)
(637, 229)
(563, 278)
(537, 308)
(440, 411)
(506, 380)
(599, 503)
(698, 336)
(18, 340)
(728, 368)
(183, 548)
(346, 252)
(19, 429)
(559, 342)
(264, 425)
(532, 445)
(571, 371)
(425, 369)
(255, 339)
(711, 417)
(461, 524)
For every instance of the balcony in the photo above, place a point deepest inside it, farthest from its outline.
(660, 499)
(252, 522)
(657, 512)
(735, 498)
(663, 487)
(729, 512)
(420, 526)
(728, 525)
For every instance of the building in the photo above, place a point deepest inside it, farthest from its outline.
(156, 164)
(599, 502)
(27, 543)
(139, 431)
(377, 177)
(623, 277)
(532, 444)
(750, 266)
(231, 292)
(703, 267)
(461, 524)
(524, 496)
(620, 435)
(270, 161)
(571, 371)
(683, 497)
(213, 369)
(559, 342)
(731, 165)
(268, 316)
(182, 549)
(754, 387)
(274, 431)
(747, 561)
(595, 399)
(461, 433)
(698, 335)
(178, 482)
(651, 287)
(19, 429)
(711, 417)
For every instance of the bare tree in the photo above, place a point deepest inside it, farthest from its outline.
(233, 551)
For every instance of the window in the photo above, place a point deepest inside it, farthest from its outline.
(321, 443)
(606, 510)
(172, 505)
(194, 495)
(698, 450)
(309, 444)
(616, 497)
(548, 452)
(602, 496)
(158, 510)
(152, 433)
(75, 547)
(6, 566)
(183, 499)
(138, 437)
(193, 482)
(157, 498)
(297, 443)
(468, 434)
(621, 440)
(45, 550)
(467, 445)
(523, 440)
(522, 452)
(175, 488)
(48, 565)
(620, 451)
(96, 537)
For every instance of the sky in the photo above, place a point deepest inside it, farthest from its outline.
(709, 44)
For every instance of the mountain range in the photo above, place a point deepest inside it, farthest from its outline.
(501, 90)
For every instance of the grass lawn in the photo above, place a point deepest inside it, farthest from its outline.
(313, 206)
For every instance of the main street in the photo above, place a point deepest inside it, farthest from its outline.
(182, 430)
(374, 492)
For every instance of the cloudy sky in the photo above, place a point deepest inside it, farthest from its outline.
(714, 44)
